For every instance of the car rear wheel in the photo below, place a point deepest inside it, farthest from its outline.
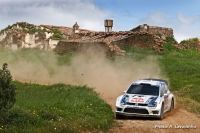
(118, 116)
(161, 113)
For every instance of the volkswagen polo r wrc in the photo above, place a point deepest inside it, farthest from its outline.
(145, 98)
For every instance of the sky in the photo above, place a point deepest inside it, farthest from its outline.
(183, 16)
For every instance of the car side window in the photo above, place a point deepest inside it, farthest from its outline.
(162, 92)
(165, 88)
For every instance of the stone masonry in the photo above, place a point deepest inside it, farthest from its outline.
(19, 36)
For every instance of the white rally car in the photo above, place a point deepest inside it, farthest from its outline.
(147, 97)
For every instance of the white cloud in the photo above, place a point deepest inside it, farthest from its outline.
(53, 12)
(184, 27)
(187, 20)
(155, 18)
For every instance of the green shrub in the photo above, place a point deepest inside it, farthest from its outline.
(56, 33)
(33, 30)
(169, 44)
(18, 117)
(127, 48)
(192, 40)
(170, 39)
(8, 27)
(47, 115)
(195, 39)
(184, 42)
(7, 90)
(22, 24)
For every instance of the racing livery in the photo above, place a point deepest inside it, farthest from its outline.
(146, 97)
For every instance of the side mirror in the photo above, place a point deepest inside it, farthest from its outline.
(125, 91)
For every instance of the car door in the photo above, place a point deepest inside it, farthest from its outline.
(166, 97)
(163, 96)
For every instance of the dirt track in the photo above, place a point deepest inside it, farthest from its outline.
(178, 117)
(171, 123)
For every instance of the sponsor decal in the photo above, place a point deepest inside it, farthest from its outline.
(139, 99)
(153, 100)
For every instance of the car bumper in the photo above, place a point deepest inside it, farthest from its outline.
(138, 111)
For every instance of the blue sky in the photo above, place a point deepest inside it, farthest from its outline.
(183, 16)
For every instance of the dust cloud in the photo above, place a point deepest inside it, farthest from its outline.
(90, 67)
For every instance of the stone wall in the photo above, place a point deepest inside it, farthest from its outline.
(28, 36)
(64, 46)
(36, 40)
(114, 42)
(190, 45)
(8, 39)
(3, 35)
(154, 30)
(142, 40)
(52, 43)
(13, 38)
(25, 35)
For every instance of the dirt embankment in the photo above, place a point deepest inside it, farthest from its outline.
(110, 80)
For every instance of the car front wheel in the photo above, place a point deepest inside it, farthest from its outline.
(118, 116)
(161, 113)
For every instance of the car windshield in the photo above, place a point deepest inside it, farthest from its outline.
(143, 89)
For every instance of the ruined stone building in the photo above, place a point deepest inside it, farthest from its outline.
(63, 39)
(153, 30)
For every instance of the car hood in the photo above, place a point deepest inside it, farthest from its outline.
(135, 98)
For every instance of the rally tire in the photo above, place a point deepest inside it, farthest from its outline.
(118, 116)
(172, 105)
(161, 113)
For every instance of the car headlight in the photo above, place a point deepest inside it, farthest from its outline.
(154, 104)
(125, 99)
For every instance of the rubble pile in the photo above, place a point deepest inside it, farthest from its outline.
(194, 45)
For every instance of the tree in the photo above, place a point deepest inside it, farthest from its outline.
(7, 90)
